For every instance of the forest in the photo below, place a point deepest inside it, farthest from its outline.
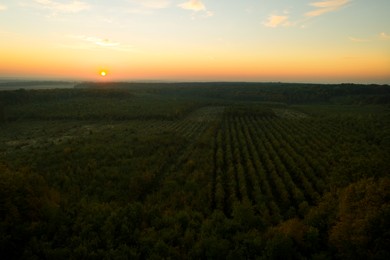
(195, 171)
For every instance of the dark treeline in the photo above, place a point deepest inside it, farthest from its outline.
(22, 83)
(272, 92)
(195, 171)
(275, 92)
(22, 96)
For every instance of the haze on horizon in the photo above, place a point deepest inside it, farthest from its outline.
(327, 41)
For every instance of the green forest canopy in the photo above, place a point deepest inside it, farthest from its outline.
(195, 170)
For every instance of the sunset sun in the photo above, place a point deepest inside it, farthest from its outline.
(103, 73)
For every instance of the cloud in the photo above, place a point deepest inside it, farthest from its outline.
(384, 36)
(277, 20)
(152, 4)
(147, 6)
(194, 5)
(326, 6)
(358, 39)
(139, 11)
(3, 7)
(91, 42)
(74, 6)
(103, 42)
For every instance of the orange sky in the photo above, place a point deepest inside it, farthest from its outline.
(307, 41)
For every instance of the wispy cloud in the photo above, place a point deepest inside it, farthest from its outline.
(74, 6)
(147, 6)
(353, 39)
(380, 36)
(277, 20)
(152, 4)
(322, 7)
(3, 7)
(384, 36)
(91, 42)
(194, 5)
(99, 41)
(249, 10)
(326, 6)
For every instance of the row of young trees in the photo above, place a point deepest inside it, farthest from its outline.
(262, 160)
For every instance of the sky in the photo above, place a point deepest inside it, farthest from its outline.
(318, 41)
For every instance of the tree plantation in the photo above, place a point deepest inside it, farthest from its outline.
(195, 171)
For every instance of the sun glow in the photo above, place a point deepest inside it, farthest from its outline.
(103, 73)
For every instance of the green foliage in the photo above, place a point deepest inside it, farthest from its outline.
(362, 226)
(119, 171)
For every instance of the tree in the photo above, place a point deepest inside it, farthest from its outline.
(362, 230)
